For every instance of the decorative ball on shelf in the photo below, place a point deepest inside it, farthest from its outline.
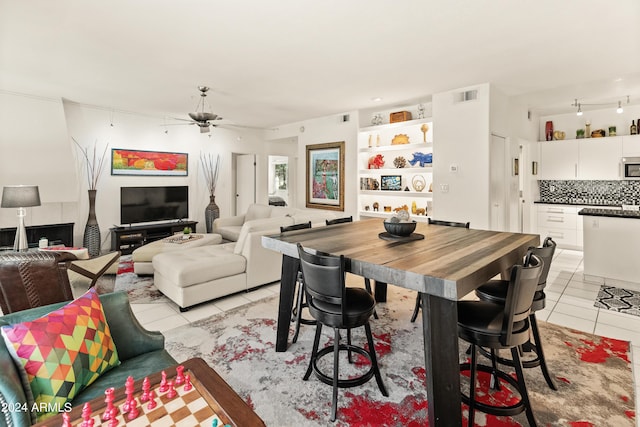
(400, 162)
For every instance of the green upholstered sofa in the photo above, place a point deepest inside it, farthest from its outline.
(141, 352)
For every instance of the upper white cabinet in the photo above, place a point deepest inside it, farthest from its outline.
(591, 158)
(559, 160)
(631, 146)
(599, 158)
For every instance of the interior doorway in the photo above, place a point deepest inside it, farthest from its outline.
(244, 186)
(281, 186)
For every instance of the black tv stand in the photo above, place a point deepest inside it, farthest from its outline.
(128, 238)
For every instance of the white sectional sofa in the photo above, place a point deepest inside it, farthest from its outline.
(200, 274)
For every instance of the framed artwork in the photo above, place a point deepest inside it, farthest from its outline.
(150, 163)
(391, 182)
(325, 176)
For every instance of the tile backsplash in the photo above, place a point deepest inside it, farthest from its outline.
(593, 192)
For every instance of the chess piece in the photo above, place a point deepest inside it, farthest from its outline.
(187, 383)
(163, 383)
(86, 415)
(171, 393)
(113, 422)
(112, 410)
(133, 410)
(66, 419)
(146, 386)
(179, 375)
(152, 400)
(128, 387)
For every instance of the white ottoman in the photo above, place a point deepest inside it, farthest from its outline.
(143, 255)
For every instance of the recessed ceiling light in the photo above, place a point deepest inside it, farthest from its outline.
(376, 99)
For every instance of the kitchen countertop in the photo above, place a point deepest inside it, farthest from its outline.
(576, 203)
(614, 213)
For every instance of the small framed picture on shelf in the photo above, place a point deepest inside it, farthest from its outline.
(391, 182)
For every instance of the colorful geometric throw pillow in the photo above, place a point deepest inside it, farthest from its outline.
(63, 352)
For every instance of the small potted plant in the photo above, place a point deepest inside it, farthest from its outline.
(186, 233)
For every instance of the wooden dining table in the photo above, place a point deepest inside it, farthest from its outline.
(446, 265)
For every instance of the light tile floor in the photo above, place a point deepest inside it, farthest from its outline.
(570, 300)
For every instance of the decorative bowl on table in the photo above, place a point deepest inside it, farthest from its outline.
(400, 228)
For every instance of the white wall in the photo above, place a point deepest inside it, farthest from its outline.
(461, 138)
(323, 130)
(41, 151)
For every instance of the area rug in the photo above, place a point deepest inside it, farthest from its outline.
(593, 374)
(618, 299)
(139, 288)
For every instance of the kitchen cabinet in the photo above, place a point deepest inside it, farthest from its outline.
(590, 158)
(599, 158)
(559, 160)
(560, 222)
(394, 143)
(631, 146)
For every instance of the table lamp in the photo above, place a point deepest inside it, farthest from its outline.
(21, 197)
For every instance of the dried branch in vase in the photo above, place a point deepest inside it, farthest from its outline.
(93, 164)
(210, 169)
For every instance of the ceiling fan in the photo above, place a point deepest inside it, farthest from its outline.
(200, 117)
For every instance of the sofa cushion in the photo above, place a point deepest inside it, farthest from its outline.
(230, 232)
(198, 265)
(62, 352)
(256, 211)
(279, 211)
(265, 226)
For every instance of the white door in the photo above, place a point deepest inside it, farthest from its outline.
(245, 167)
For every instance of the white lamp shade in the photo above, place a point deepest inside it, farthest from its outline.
(20, 196)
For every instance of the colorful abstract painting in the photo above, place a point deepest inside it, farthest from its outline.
(325, 176)
(139, 162)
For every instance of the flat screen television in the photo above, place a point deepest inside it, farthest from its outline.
(148, 204)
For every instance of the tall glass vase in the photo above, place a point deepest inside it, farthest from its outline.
(91, 239)
(211, 212)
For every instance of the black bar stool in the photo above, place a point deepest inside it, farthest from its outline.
(333, 304)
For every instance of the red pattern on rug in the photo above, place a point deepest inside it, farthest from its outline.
(125, 266)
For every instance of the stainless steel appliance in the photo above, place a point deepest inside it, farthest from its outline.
(631, 167)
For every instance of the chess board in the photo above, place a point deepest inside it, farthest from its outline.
(200, 406)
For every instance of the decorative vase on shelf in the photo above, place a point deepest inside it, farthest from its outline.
(548, 130)
(91, 239)
(211, 212)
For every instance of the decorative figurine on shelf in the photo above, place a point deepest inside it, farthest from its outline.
(401, 208)
(587, 131)
(400, 162)
(421, 211)
(376, 162)
(400, 139)
(424, 128)
(377, 140)
(420, 111)
(370, 141)
(413, 207)
(421, 158)
(376, 119)
(375, 206)
(418, 183)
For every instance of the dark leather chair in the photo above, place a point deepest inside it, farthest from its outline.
(339, 220)
(501, 326)
(300, 298)
(33, 279)
(496, 291)
(367, 281)
(418, 304)
(333, 304)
